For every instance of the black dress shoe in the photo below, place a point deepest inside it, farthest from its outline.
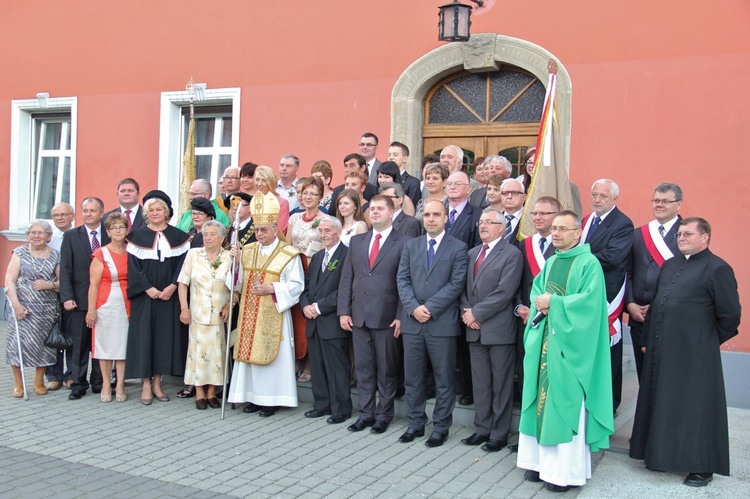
(337, 419)
(532, 476)
(475, 439)
(266, 412)
(359, 425)
(251, 408)
(96, 389)
(557, 488)
(76, 395)
(493, 445)
(410, 434)
(436, 439)
(466, 400)
(214, 403)
(379, 427)
(698, 479)
(201, 404)
(314, 413)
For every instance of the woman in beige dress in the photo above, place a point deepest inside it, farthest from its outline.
(204, 274)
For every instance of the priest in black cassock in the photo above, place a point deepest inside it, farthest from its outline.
(681, 416)
(157, 341)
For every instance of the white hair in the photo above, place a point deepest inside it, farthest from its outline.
(509, 180)
(614, 188)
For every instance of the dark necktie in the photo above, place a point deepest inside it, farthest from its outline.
(508, 226)
(94, 241)
(542, 242)
(662, 232)
(430, 253)
(452, 216)
(594, 226)
(375, 250)
(480, 258)
(127, 218)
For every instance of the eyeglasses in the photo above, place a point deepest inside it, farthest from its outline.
(511, 193)
(365, 144)
(687, 234)
(664, 202)
(231, 177)
(486, 222)
(117, 228)
(542, 213)
(456, 184)
(561, 229)
(198, 214)
(310, 194)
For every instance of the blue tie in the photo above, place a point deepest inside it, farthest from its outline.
(430, 253)
(594, 226)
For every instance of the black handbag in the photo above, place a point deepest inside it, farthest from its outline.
(55, 339)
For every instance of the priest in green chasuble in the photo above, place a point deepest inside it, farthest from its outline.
(566, 406)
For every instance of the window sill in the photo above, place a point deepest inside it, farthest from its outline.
(14, 235)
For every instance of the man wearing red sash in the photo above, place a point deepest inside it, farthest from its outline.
(653, 244)
(535, 250)
(609, 233)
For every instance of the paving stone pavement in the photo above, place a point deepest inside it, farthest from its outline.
(53, 447)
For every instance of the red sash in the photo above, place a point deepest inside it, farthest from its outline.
(531, 257)
(651, 246)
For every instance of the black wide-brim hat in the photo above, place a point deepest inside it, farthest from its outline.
(156, 193)
(242, 195)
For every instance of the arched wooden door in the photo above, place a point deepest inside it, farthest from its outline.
(496, 112)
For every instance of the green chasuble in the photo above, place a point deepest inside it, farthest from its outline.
(567, 354)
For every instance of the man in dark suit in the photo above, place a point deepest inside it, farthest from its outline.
(462, 224)
(399, 154)
(431, 277)
(609, 233)
(75, 259)
(128, 195)
(327, 343)
(487, 305)
(535, 251)
(653, 244)
(368, 147)
(513, 196)
(353, 163)
(238, 205)
(402, 223)
(368, 306)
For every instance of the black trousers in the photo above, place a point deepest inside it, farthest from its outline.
(78, 356)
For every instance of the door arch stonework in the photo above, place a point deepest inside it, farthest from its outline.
(481, 53)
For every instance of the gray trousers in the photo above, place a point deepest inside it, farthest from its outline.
(492, 370)
(442, 353)
(376, 358)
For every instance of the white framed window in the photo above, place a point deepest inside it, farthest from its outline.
(42, 159)
(217, 136)
(213, 140)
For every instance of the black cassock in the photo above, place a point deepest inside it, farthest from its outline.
(681, 416)
(157, 340)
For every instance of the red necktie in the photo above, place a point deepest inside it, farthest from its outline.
(127, 217)
(480, 259)
(375, 249)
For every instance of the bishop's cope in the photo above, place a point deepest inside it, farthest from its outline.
(272, 281)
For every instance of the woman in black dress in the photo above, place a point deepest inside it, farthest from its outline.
(157, 341)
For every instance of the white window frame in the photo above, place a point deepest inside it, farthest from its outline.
(215, 150)
(22, 155)
(170, 133)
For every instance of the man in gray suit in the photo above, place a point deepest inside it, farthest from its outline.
(487, 304)
(368, 306)
(431, 277)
